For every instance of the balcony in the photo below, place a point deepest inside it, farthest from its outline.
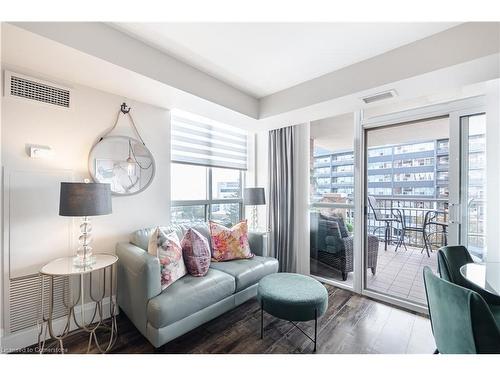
(399, 273)
(398, 269)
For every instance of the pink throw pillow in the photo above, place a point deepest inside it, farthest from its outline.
(196, 252)
(230, 243)
(169, 252)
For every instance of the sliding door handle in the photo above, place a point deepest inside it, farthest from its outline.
(454, 213)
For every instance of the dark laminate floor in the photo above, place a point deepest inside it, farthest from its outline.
(352, 324)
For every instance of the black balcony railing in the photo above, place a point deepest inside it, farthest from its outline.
(414, 211)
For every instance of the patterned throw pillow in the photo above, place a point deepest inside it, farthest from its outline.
(169, 252)
(196, 252)
(230, 243)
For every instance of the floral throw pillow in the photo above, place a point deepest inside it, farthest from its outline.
(196, 252)
(169, 252)
(230, 243)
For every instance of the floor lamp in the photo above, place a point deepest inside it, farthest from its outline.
(254, 197)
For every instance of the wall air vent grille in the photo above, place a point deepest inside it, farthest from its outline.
(379, 96)
(25, 303)
(32, 89)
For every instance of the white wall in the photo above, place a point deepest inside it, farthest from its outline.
(1, 212)
(71, 134)
(493, 172)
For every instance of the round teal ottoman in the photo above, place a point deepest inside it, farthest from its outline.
(294, 297)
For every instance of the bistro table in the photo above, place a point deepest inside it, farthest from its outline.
(425, 217)
(484, 275)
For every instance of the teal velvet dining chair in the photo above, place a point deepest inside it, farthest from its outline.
(450, 259)
(462, 322)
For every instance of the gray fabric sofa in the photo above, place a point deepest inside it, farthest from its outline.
(161, 316)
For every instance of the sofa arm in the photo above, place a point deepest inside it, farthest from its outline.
(138, 280)
(258, 243)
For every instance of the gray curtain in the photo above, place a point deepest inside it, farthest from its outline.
(281, 197)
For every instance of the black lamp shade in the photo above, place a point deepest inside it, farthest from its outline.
(84, 199)
(254, 196)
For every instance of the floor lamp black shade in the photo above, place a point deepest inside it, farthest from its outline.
(84, 199)
(254, 196)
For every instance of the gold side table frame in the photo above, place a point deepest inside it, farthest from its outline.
(63, 267)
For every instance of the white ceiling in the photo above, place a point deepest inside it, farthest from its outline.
(263, 58)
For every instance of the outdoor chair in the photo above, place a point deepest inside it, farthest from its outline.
(388, 221)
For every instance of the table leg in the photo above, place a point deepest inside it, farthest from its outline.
(315, 328)
(261, 320)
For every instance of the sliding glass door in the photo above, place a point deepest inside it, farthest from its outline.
(332, 208)
(473, 184)
(407, 199)
(423, 180)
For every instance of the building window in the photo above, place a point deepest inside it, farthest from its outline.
(379, 191)
(322, 160)
(418, 147)
(347, 180)
(323, 181)
(321, 171)
(414, 191)
(380, 152)
(379, 178)
(349, 168)
(423, 176)
(418, 162)
(207, 170)
(443, 146)
(343, 157)
(443, 161)
(442, 176)
(203, 193)
(380, 165)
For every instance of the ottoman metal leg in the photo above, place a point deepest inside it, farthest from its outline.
(261, 320)
(315, 328)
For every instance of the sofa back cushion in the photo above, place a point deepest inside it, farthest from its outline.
(140, 238)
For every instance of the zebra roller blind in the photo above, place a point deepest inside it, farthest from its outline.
(200, 141)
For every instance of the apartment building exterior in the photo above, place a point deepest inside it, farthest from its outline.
(410, 170)
(413, 175)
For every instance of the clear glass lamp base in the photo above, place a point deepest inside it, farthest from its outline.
(84, 257)
(80, 262)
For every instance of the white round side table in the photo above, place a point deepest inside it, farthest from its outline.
(104, 264)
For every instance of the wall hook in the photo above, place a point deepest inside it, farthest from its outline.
(124, 108)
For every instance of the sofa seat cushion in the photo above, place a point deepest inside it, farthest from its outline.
(247, 272)
(189, 295)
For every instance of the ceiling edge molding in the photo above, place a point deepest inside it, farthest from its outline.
(104, 42)
(456, 45)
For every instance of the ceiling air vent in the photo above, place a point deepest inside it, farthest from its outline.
(24, 87)
(379, 96)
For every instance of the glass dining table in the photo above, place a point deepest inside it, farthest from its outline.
(484, 275)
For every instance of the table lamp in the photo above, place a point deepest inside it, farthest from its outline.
(84, 199)
(254, 197)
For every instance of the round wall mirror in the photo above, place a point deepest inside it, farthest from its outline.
(123, 162)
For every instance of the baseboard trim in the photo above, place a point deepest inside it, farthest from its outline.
(29, 336)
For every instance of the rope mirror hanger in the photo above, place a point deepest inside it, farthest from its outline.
(130, 170)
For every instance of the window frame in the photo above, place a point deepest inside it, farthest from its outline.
(209, 202)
